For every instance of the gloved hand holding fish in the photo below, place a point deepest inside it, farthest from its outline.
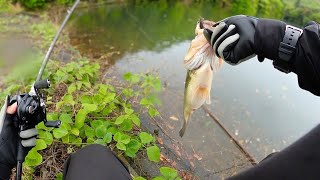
(202, 64)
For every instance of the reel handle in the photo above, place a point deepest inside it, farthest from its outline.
(43, 84)
(54, 124)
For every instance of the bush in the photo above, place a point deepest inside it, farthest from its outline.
(32, 4)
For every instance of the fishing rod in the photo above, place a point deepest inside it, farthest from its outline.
(32, 107)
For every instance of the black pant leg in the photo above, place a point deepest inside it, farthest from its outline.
(301, 160)
(95, 162)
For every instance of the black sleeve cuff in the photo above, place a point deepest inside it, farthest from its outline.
(5, 172)
(269, 33)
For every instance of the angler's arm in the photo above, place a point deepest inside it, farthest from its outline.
(306, 60)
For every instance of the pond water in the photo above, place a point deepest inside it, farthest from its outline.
(262, 107)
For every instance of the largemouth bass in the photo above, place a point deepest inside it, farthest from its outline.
(202, 64)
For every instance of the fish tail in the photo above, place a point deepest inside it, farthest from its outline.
(187, 113)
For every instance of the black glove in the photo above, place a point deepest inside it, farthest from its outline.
(239, 38)
(9, 139)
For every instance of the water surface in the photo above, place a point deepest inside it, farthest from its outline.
(262, 107)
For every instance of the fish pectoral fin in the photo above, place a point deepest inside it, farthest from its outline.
(208, 101)
(200, 96)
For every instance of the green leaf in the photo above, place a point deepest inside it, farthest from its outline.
(77, 142)
(153, 112)
(59, 176)
(66, 139)
(168, 172)
(126, 125)
(128, 111)
(75, 131)
(40, 144)
(119, 120)
(96, 123)
(101, 131)
(65, 118)
(135, 119)
(145, 137)
(86, 99)
(80, 118)
(123, 138)
(89, 107)
(52, 116)
(127, 76)
(153, 153)
(121, 146)
(72, 88)
(132, 148)
(68, 98)
(60, 132)
(46, 136)
(107, 137)
(159, 178)
(109, 98)
(139, 178)
(89, 131)
(90, 140)
(145, 101)
(33, 158)
(113, 130)
(41, 126)
(99, 141)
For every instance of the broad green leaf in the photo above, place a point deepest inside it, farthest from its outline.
(77, 142)
(65, 118)
(120, 137)
(52, 116)
(153, 153)
(145, 101)
(119, 120)
(89, 131)
(159, 178)
(101, 131)
(80, 118)
(100, 141)
(127, 76)
(68, 98)
(33, 158)
(72, 88)
(103, 89)
(135, 119)
(41, 126)
(59, 176)
(40, 144)
(126, 125)
(59, 132)
(113, 130)
(145, 137)
(46, 136)
(75, 131)
(153, 112)
(128, 111)
(168, 172)
(86, 99)
(132, 148)
(107, 137)
(96, 123)
(66, 139)
(109, 98)
(89, 107)
(139, 178)
(121, 146)
(90, 140)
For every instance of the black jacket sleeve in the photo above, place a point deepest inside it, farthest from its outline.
(305, 62)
